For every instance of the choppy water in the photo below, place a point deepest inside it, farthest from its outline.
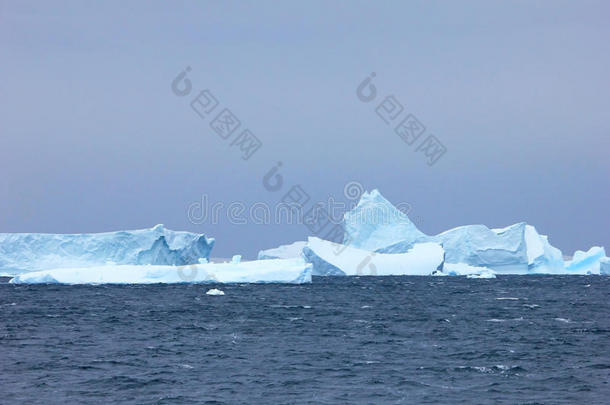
(383, 340)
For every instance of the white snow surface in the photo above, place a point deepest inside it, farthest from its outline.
(421, 260)
(22, 252)
(488, 274)
(462, 269)
(215, 291)
(258, 271)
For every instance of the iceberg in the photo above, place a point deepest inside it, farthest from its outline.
(329, 258)
(293, 271)
(487, 274)
(461, 269)
(589, 262)
(283, 252)
(23, 252)
(541, 256)
(504, 251)
(604, 266)
(375, 224)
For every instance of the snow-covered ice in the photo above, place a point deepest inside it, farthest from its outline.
(375, 224)
(477, 245)
(330, 258)
(541, 256)
(461, 269)
(257, 271)
(215, 291)
(21, 252)
(379, 240)
(485, 274)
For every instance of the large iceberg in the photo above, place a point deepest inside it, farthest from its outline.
(375, 224)
(22, 252)
(329, 258)
(258, 271)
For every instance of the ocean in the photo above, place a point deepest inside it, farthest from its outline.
(338, 340)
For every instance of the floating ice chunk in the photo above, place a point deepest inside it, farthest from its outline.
(375, 224)
(485, 274)
(215, 291)
(330, 258)
(462, 269)
(258, 271)
(588, 262)
(236, 259)
(283, 252)
(20, 252)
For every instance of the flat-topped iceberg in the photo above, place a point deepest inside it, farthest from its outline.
(329, 258)
(294, 271)
(22, 252)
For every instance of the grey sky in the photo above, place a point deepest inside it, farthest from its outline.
(93, 139)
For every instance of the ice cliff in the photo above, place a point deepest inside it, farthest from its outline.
(23, 252)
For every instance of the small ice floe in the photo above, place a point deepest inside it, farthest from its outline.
(215, 291)
(483, 274)
(507, 298)
(236, 259)
(562, 320)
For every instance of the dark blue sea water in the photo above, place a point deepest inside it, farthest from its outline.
(367, 340)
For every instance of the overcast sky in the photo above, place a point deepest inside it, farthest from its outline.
(92, 138)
